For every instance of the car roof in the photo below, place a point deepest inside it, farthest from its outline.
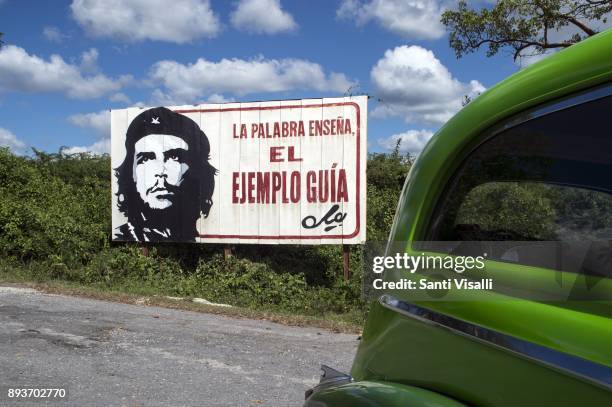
(574, 69)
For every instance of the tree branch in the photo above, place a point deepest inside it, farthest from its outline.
(523, 44)
(578, 24)
(520, 24)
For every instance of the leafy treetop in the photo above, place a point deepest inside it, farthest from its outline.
(521, 25)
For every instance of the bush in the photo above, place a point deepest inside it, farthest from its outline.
(44, 217)
(249, 284)
(55, 221)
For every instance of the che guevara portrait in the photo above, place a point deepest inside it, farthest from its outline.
(165, 182)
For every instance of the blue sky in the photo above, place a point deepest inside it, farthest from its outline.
(64, 64)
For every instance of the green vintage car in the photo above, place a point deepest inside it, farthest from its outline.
(529, 160)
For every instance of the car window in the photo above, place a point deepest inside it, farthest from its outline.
(547, 179)
(533, 211)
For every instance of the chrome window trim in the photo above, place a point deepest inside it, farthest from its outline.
(573, 100)
(581, 368)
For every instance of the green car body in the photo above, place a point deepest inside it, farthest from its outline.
(407, 361)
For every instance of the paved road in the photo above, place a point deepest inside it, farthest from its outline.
(112, 354)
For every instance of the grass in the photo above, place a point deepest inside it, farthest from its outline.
(130, 293)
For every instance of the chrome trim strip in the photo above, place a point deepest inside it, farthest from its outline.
(329, 378)
(576, 366)
(572, 100)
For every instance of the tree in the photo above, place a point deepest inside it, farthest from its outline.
(521, 25)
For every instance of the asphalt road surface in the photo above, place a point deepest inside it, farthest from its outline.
(112, 354)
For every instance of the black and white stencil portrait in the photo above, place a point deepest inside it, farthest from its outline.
(165, 182)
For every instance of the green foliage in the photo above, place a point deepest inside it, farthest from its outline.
(534, 211)
(256, 285)
(119, 264)
(249, 284)
(386, 174)
(388, 171)
(521, 25)
(523, 210)
(580, 212)
(382, 203)
(55, 223)
(42, 215)
(75, 169)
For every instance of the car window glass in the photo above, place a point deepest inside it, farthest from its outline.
(547, 179)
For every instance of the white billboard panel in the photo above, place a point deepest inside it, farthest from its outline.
(260, 172)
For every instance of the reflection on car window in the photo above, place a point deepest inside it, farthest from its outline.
(548, 179)
(533, 211)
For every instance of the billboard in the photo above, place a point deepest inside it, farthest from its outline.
(270, 172)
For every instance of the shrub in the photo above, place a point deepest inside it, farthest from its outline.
(55, 221)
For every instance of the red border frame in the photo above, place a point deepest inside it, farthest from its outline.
(357, 190)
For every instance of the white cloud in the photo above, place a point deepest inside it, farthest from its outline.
(20, 71)
(189, 83)
(8, 139)
(411, 19)
(98, 121)
(89, 60)
(120, 98)
(159, 98)
(53, 34)
(99, 147)
(414, 19)
(262, 17)
(178, 21)
(217, 98)
(412, 83)
(412, 141)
